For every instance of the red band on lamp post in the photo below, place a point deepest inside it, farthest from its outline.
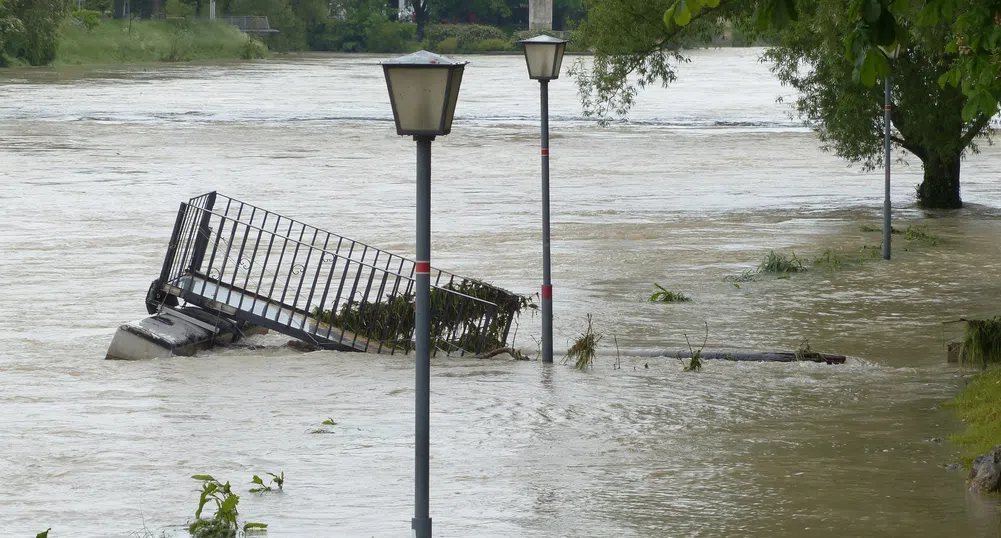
(547, 292)
(423, 267)
(545, 153)
(888, 107)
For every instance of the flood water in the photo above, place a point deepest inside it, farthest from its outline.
(706, 178)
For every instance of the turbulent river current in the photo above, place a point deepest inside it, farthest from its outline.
(705, 178)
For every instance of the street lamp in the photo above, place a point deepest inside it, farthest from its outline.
(544, 56)
(423, 89)
(891, 53)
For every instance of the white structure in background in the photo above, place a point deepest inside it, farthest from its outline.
(211, 9)
(406, 12)
(540, 14)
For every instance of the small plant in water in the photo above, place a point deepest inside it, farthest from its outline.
(871, 228)
(920, 233)
(663, 295)
(779, 263)
(44, 534)
(805, 352)
(749, 275)
(277, 480)
(582, 351)
(695, 362)
(224, 523)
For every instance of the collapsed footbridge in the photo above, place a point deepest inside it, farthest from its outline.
(236, 266)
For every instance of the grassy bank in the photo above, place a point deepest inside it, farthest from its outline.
(979, 405)
(111, 42)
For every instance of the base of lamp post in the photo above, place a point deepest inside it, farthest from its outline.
(421, 527)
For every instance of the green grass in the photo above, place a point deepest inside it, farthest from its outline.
(112, 42)
(979, 405)
(779, 263)
(920, 233)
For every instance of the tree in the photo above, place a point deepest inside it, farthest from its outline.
(421, 11)
(944, 99)
(30, 30)
(927, 117)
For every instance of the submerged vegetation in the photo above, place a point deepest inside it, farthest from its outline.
(780, 264)
(224, 523)
(454, 317)
(583, 350)
(979, 406)
(982, 342)
(695, 361)
(277, 480)
(663, 295)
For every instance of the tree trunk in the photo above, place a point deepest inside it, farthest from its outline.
(421, 16)
(940, 188)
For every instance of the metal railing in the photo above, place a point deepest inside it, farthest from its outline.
(267, 269)
(252, 24)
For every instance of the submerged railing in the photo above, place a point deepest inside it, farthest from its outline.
(267, 269)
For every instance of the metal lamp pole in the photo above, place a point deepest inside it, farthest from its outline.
(887, 107)
(547, 275)
(423, 90)
(544, 56)
(891, 54)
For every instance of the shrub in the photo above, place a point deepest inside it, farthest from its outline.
(465, 35)
(387, 36)
(492, 45)
(88, 18)
(253, 49)
(447, 46)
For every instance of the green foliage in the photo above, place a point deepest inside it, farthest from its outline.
(982, 341)
(329, 422)
(492, 45)
(920, 233)
(449, 45)
(224, 522)
(29, 30)
(780, 264)
(277, 480)
(465, 35)
(979, 406)
(362, 26)
(870, 228)
(455, 314)
(43, 534)
(153, 41)
(90, 19)
(695, 360)
(583, 350)
(836, 260)
(749, 275)
(945, 83)
(663, 295)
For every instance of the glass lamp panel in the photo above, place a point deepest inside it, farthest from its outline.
(453, 97)
(418, 98)
(560, 49)
(540, 58)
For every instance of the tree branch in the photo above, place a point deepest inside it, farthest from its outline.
(974, 131)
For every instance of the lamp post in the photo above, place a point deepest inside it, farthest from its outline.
(544, 56)
(423, 90)
(891, 54)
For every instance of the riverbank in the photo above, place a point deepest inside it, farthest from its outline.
(119, 42)
(979, 405)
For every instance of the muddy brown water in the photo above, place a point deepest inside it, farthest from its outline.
(705, 179)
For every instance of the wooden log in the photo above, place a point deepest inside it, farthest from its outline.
(762, 356)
